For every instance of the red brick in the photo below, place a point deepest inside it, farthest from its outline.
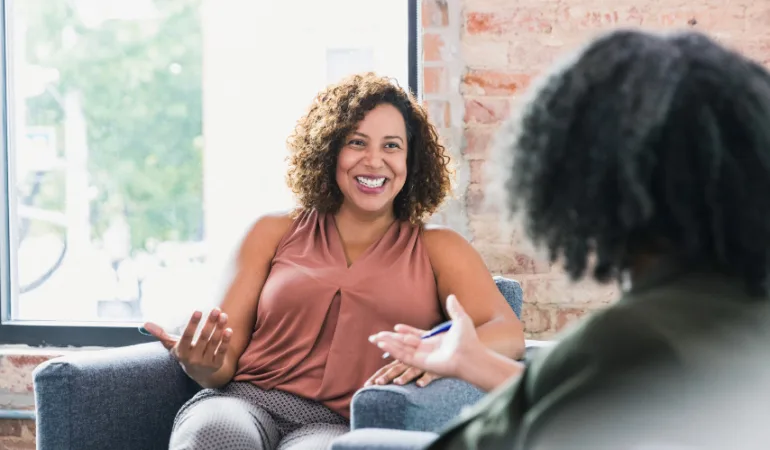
(479, 52)
(17, 444)
(535, 319)
(438, 112)
(10, 428)
(434, 13)
(29, 361)
(521, 56)
(568, 316)
(757, 50)
(758, 19)
(477, 171)
(535, 19)
(485, 110)
(581, 16)
(474, 200)
(492, 229)
(707, 18)
(558, 289)
(17, 434)
(544, 336)
(493, 82)
(477, 141)
(434, 80)
(432, 47)
(504, 259)
(15, 373)
(590, 292)
(541, 290)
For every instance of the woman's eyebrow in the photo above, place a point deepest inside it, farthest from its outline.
(358, 133)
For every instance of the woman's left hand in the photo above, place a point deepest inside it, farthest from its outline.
(401, 374)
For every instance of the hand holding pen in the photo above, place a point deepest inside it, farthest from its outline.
(438, 329)
(439, 351)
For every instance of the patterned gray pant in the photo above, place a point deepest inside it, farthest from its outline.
(241, 416)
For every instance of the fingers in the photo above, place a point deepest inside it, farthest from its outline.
(213, 338)
(409, 375)
(185, 343)
(221, 351)
(379, 373)
(407, 329)
(401, 347)
(209, 327)
(426, 379)
(391, 374)
(411, 340)
(158, 332)
(454, 308)
(398, 350)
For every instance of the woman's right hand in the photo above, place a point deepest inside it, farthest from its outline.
(204, 357)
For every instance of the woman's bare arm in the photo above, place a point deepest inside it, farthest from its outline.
(250, 269)
(460, 270)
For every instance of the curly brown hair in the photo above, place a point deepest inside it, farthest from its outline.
(333, 115)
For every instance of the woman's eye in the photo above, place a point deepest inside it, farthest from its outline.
(392, 145)
(357, 143)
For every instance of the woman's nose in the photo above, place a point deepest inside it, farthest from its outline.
(374, 158)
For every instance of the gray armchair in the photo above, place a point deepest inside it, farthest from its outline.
(127, 398)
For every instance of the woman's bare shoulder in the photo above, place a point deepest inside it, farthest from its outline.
(267, 231)
(440, 235)
(445, 244)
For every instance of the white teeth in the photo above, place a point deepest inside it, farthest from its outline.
(371, 182)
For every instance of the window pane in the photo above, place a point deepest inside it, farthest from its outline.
(147, 135)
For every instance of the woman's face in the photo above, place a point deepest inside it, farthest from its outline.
(371, 166)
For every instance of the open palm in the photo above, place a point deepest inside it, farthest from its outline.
(441, 354)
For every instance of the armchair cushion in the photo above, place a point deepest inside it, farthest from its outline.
(122, 398)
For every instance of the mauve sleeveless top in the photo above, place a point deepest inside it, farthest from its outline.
(315, 313)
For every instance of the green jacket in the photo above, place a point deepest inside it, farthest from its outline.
(659, 366)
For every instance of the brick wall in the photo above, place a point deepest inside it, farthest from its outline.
(479, 56)
(16, 368)
(17, 434)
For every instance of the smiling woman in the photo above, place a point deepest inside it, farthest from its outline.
(373, 133)
(288, 347)
(371, 166)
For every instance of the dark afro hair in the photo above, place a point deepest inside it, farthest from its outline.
(642, 139)
(333, 115)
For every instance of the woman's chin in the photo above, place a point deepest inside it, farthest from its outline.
(373, 207)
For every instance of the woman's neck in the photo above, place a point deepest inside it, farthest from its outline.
(357, 227)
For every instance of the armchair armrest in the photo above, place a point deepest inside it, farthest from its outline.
(411, 407)
(414, 408)
(116, 398)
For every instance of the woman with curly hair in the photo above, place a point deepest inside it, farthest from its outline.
(644, 160)
(284, 353)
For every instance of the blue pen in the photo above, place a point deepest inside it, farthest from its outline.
(438, 329)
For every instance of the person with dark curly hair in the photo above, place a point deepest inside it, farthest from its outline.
(282, 356)
(644, 160)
